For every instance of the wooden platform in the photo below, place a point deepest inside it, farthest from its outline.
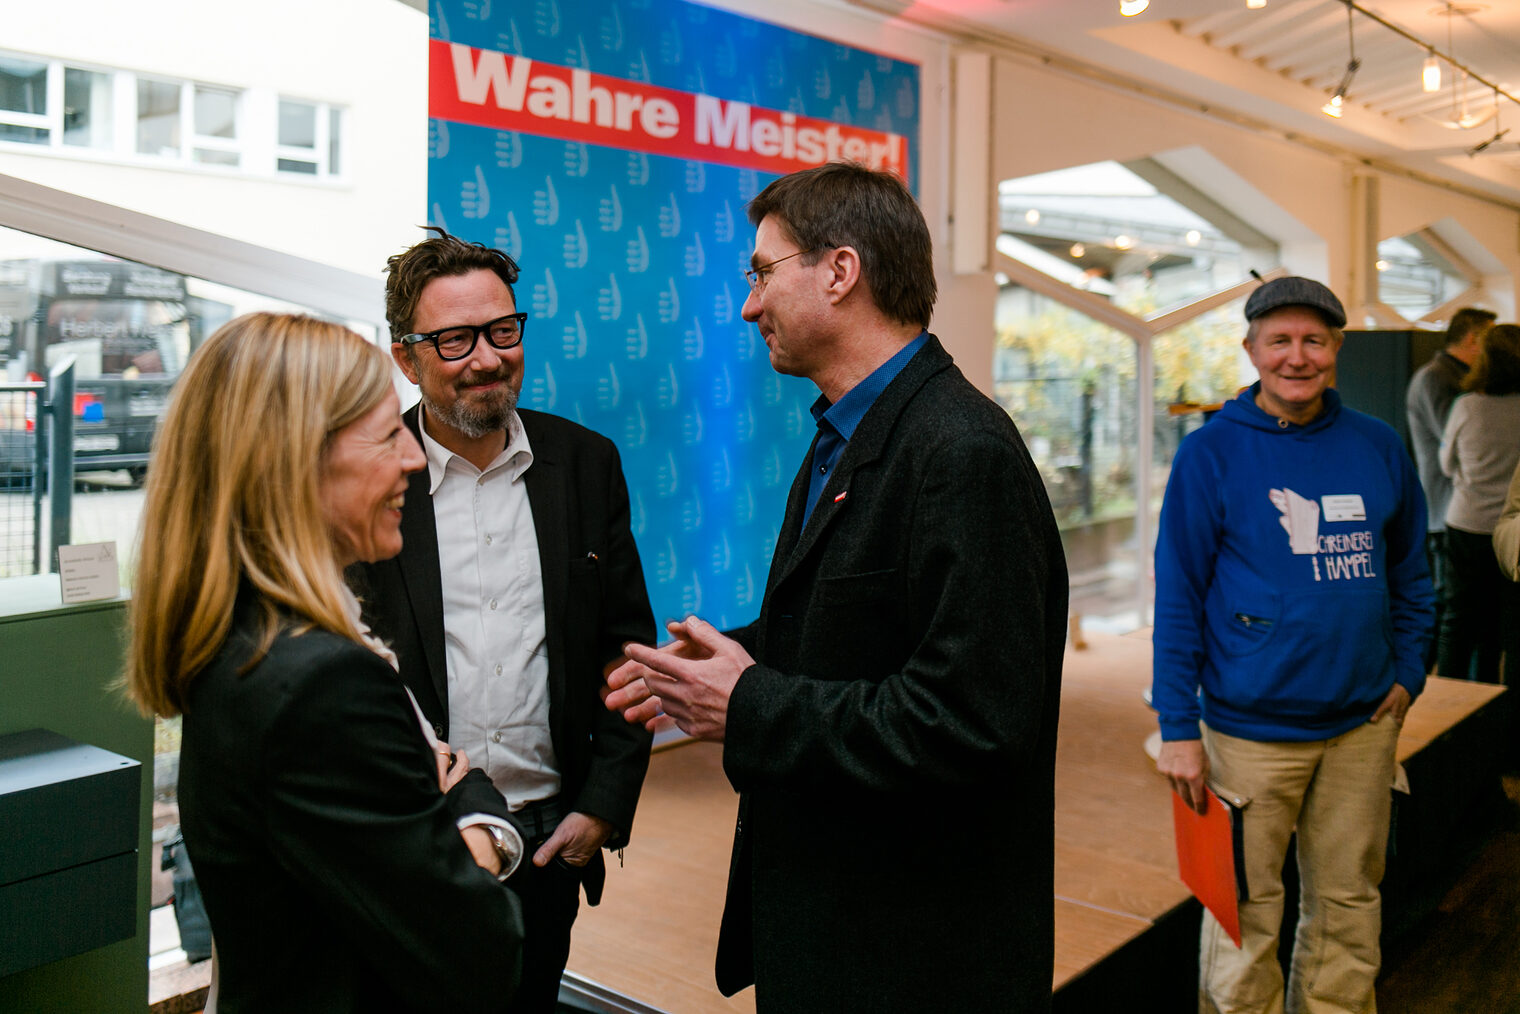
(653, 937)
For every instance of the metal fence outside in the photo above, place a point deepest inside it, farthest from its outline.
(21, 492)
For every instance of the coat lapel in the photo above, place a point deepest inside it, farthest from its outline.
(419, 570)
(545, 481)
(864, 447)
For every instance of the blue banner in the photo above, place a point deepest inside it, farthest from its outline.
(632, 260)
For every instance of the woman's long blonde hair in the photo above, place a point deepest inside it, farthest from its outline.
(232, 494)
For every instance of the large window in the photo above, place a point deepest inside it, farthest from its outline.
(167, 121)
(1069, 382)
(1127, 233)
(128, 329)
(1118, 323)
(1418, 274)
(1197, 365)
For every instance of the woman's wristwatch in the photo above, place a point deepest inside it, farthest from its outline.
(508, 848)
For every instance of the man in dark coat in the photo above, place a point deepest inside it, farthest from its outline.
(518, 584)
(890, 718)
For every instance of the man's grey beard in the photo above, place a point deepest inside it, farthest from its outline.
(474, 421)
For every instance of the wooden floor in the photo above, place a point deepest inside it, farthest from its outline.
(654, 935)
(1465, 958)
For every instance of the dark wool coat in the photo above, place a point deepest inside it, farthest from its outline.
(327, 856)
(894, 747)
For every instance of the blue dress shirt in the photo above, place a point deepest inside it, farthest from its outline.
(837, 421)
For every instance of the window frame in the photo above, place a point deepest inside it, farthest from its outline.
(319, 155)
(255, 140)
(52, 101)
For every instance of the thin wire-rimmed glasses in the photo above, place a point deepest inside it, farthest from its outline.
(758, 276)
(457, 342)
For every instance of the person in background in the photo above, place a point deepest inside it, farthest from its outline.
(1292, 591)
(1432, 389)
(1479, 452)
(347, 860)
(518, 586)
(1507, 531)
(903, 679)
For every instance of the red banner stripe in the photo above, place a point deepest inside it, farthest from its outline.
(491, 89)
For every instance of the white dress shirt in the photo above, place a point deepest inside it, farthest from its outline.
(379, 647)
(493, 617)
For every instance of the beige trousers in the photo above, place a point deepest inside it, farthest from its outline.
(1336, 794)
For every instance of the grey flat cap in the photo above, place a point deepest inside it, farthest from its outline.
(1295, 291)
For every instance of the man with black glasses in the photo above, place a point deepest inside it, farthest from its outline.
(517, 584)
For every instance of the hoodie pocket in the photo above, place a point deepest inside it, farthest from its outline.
(1246, 626)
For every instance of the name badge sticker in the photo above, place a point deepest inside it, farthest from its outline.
(1344, 507)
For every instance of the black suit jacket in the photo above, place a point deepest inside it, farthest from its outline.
(894, 745)
(332, 868)
(594, 603)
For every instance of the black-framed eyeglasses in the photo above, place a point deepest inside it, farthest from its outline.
(457, 342)
(758, 276)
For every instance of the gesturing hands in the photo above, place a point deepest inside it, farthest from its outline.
(690, 679)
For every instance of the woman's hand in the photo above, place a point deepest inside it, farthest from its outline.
(452, 767)
(482, 848)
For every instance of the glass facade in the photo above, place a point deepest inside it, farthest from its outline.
(1129, 266)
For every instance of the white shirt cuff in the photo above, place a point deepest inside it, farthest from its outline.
(514, 839)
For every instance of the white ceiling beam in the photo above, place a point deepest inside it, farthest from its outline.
(1196, 307)
(159, 243)
(1096, 307)
(1255, 46)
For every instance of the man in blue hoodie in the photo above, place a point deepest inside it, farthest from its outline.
(1293, 607)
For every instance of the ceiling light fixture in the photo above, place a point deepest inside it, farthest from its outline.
(1498, 133)
(1333, 107)
(1129, 8)
(1462, 119)
(1482, 146)
(1430, 77)
(1193, 237)
(1032, 216)
(1382, 265)
(1078, 250)
(1123, 241)
(1459, 118)
(1256, 5)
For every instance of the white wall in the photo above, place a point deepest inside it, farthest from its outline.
(367, 55)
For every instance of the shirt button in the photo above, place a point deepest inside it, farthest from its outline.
(823, 469)
(498, 670)
(496, 737)
(493, 603)
(488, 540)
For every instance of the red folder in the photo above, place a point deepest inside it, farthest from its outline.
(1209, 858)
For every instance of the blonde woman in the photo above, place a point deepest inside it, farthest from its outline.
(348, 863)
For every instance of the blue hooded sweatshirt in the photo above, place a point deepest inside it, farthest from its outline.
(1291, 582)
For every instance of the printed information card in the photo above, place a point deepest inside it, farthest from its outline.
(88, 572)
